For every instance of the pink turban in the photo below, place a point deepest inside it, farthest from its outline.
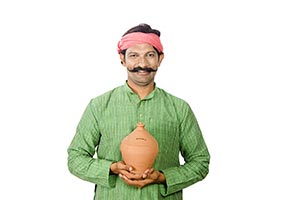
(139, 38)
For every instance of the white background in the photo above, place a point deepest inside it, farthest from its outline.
(235, 62)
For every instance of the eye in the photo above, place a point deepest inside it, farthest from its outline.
(151, 55)
(132, 55)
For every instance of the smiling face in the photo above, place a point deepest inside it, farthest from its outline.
(143, 56)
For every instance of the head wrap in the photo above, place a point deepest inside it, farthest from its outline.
(134, 38)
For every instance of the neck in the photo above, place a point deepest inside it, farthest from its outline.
(141, 91)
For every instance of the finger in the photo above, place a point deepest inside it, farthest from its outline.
(151, 170)
(144, 176)
(133, 176)
(137, 183)
(129, 168)
(147, 173)
(123, 166)
(123, 177)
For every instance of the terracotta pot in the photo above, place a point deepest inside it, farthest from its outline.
(139, 149)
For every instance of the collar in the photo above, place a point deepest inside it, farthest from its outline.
(129, 91)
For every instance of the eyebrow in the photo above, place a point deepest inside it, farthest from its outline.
(129, 52)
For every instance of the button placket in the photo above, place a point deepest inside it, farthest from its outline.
(140, 111)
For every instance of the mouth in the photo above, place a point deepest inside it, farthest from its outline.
(142, 72)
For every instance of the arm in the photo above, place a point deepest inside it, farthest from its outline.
(195, 153)
(82, 148)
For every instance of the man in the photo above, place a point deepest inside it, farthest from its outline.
(109, 117)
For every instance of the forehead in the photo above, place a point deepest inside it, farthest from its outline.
(140, 48)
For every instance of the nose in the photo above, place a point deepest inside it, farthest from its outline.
(143, 62)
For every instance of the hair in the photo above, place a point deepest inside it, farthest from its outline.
(144, 28)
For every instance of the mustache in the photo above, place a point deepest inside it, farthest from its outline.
(147, 69)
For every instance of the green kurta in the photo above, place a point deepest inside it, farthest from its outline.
(110, 117)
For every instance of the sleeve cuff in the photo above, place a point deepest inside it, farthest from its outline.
(106, 179)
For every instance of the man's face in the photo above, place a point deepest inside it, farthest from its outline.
(143, 56)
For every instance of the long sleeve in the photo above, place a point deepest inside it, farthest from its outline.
(82, 148)
(195, 153)
(110, 117)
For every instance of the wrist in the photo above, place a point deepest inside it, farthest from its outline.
(112, 168)
(161, 178)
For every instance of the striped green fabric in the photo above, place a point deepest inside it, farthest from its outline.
(109, 117)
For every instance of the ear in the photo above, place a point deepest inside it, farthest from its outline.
(122, 58)
(161, 57)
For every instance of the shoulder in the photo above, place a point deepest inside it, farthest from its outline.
(175, 100)
(103, 99)
(178, 107)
